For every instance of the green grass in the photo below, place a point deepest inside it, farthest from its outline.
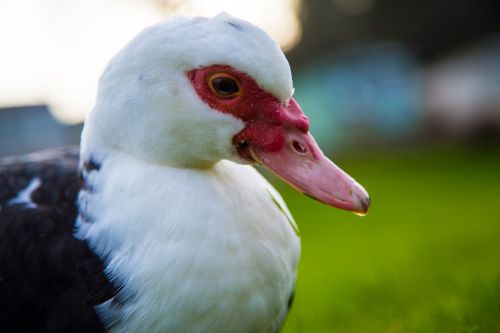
(426, 258)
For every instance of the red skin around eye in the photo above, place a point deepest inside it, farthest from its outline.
(265, 116)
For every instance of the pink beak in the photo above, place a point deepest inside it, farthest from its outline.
(302, 164)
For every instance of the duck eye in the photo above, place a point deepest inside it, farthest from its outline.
(224, 85)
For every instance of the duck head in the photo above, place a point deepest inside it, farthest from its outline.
(192, 91)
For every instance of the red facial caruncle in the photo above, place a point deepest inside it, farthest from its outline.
(265, 115)
(276, 136)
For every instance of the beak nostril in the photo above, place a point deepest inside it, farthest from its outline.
(299, 148)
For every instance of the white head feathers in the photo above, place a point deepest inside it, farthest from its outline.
(147, 107)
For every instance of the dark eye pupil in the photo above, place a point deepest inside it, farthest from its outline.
(225, 86)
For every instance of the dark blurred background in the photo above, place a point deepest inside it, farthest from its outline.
(405, 95)
(389, 72)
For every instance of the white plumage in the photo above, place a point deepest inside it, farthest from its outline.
(195, 250)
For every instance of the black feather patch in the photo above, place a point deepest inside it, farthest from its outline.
(49, 280)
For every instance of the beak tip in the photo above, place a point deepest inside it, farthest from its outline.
(364, 205)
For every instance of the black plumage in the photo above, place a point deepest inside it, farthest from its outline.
(49, 280)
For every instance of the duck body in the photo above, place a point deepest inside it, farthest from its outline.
(176, 256)
(210, 249)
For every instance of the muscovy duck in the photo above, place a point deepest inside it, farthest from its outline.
(161, 224)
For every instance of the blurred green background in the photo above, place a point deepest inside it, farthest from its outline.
(425, 259)
(404, 95)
